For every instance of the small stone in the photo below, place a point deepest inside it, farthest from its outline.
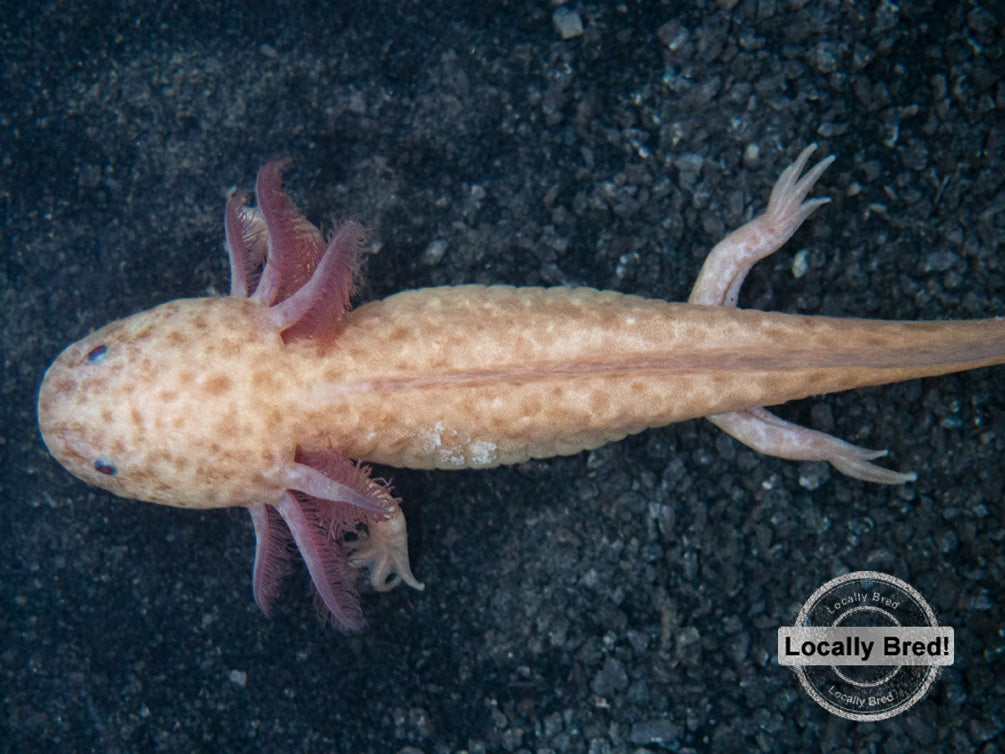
(567, 23)
(654, 732)
(799, 264)
(610, 679)
(434, 252)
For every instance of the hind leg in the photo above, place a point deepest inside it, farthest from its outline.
(719, 283)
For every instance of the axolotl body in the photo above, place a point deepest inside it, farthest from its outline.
(272, 398)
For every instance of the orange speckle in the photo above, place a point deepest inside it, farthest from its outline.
(229, 347)
(263, 380)
(600, 402)
(217, 383)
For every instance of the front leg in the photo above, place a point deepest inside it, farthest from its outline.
(719, 283)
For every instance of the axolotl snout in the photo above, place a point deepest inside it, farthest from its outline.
(274, 397)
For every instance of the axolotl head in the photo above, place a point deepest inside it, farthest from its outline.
(165, 405)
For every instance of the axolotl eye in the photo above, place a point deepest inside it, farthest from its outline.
(104, 467)
(94, 356)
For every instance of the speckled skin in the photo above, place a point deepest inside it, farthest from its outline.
(200, 403)
(271, 398)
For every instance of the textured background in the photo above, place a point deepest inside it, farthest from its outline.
(621, 600)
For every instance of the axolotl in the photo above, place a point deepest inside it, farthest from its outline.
(275, 397)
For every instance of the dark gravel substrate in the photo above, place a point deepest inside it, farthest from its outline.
(621, 600)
